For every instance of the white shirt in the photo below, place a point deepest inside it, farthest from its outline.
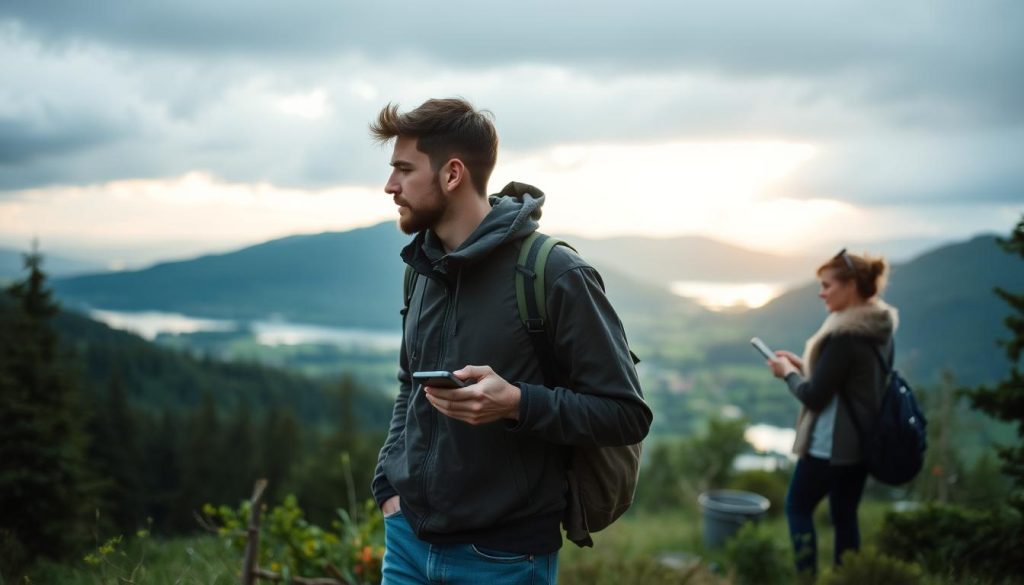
(821, 436)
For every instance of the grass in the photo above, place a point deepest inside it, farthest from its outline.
(151, 561)
(645, 548)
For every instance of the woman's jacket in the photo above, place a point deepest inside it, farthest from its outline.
(841, 357)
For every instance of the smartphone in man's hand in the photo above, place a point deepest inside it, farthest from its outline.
(438, 379)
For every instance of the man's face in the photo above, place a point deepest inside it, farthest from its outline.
(414, 187)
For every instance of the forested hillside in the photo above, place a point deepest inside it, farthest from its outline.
(115, 433)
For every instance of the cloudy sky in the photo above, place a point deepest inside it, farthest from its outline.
(137, 130)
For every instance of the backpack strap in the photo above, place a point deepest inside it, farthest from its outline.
(408, 286)
(887, 365)
(887, 368)
(531, 298)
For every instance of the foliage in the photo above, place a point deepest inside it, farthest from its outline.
(45, 488)
(870, 566)
(758, 556)
(611, 570)
(770, 484)
(1005, 400)
(677, 471)
(292, 546)
(951, 540)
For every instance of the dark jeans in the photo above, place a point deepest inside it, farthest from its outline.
(813, 479)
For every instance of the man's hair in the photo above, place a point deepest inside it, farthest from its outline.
(445, 129)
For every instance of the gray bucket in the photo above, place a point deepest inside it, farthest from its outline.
(725, 511)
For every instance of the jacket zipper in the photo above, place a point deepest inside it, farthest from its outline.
(431, 453)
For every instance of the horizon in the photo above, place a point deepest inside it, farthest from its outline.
(726, 295)
(153, 254)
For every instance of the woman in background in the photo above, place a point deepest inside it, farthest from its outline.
(839, 359)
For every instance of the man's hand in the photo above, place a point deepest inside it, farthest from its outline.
(490, 399)
(390, 506)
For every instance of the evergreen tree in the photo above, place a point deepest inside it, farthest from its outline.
(279, 450)
(200, 466)
(1005, 400)
(161, 471)
(237, 473)
(44, 491)
(114, 451)
(338, 472)
(943, 468)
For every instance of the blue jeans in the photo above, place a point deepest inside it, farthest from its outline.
(812, 480)
(410, 561)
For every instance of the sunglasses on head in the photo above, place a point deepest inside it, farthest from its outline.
(846, 258)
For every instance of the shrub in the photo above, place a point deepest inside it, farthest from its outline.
(648, 571)
(758, 556)
(954, 541)
(770, 484)
(292, 546)
(870, 566)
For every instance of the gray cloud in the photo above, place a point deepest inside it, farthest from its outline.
(914, 100)
(909, 47)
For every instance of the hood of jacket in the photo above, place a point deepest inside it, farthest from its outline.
(874, 319)
(515, 214)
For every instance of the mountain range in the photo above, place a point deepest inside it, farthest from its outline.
(350, 278)
(950, 318)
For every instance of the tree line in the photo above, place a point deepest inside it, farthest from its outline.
(102, 433)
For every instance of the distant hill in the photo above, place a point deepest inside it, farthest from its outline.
(949, 316)
(663, 261)
(348, 279)
(351, 278)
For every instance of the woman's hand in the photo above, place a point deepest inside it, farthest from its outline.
(791, 358)
(784, 364)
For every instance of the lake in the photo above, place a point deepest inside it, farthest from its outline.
(149, 324)
(720, 296)
(773, 444)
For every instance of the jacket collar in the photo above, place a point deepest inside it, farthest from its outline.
(514, 214)
(874, 319)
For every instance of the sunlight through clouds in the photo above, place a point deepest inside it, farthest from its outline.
(680, 187)
(180, 208)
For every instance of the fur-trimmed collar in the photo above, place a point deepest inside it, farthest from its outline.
(874, 319)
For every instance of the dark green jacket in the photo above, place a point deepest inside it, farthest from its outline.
(501, 482)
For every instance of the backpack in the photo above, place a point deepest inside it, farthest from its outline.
(894, 444)
(601, 480)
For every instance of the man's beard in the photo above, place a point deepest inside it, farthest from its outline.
(424, 215)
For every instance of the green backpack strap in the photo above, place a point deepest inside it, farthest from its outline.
(532, 299)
